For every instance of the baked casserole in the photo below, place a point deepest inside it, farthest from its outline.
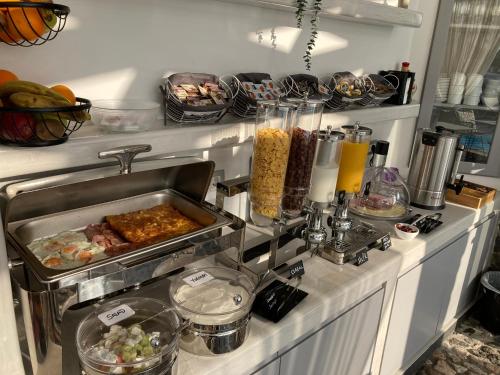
(157, 223)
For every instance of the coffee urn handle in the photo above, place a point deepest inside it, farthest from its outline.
(125, 155)
(454, 170)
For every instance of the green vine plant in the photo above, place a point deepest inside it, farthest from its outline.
(299, 14)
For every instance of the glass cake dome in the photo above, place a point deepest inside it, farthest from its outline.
(384, 194)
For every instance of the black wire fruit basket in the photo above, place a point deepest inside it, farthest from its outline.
(33, 127)
(29, 24)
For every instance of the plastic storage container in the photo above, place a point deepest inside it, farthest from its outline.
(326, 166)
(124, 115)
(384, 194)
(129, 336)
(271, 145)
(490, 312)
(216, 303)
(301, 156)
(353, 159)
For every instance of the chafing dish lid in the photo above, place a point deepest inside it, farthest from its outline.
(136, 333)
(212, 295)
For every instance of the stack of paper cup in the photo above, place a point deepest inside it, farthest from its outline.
(442, 88)
(491, 87)
(457, 87)
(473, 89)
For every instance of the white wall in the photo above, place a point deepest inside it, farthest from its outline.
(121, 48)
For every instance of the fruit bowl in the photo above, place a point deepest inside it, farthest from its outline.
(26, 24)
(32, 127)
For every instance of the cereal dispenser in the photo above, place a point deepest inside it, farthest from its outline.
(273, 134)
(302, 150)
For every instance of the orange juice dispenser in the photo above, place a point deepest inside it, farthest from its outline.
(351, 239)
(353, 159)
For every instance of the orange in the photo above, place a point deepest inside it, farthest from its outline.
(66, 92)
(6, 76)
(25, 23)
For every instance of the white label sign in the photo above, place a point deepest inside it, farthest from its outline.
(116, 315)
(198, 278)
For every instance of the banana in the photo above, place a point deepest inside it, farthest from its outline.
(13, 87)
(80, 116)
(29, 100)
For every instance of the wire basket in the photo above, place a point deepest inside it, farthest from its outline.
(29, 24)
(377, 89)
(246, 98)
(344, 86)
(305, 86)
(32, 127)
(179, 111)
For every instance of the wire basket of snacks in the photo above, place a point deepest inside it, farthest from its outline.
(346, 89)
(31, 23)
(377, 89)
(195, 97)
(34, 115)
(305, 85)
(250, 88)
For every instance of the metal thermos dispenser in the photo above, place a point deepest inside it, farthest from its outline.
(435, 160)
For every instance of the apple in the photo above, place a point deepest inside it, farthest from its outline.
(17, 126)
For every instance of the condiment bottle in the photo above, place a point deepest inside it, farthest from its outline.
(273, 133)
(302, 150)
(353, 159)
(326, 166)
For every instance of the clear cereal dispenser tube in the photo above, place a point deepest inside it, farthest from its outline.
(273, 133)
(300, 159)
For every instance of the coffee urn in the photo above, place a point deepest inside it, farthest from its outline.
(435, 159)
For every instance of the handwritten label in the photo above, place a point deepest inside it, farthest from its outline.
(116, 315)
(360, 258)
(198, 278)
(296, 269)
(385, 242)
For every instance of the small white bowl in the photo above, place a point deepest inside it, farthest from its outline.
(406, 235)
(489, 101)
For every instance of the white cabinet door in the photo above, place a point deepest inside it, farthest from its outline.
(343, 347)
(272, 368)
(466, 259)
(415, 313)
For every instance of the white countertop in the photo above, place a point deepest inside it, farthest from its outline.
(332, 290)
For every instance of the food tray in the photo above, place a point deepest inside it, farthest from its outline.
(24, 232)
(378, 89)
(340, 99)
(179, 111)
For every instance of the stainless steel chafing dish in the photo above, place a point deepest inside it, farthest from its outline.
(45, 206)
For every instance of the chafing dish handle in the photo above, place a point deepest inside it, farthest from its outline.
(125, 155)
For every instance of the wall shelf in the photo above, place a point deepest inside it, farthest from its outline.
(360, 11)
(83, 146)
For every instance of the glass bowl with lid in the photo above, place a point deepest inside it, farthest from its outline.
(216, 304)
(129, 336)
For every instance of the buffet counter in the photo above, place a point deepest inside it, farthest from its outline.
(334, 292)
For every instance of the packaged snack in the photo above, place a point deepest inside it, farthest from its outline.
(269, 84)
(189, 88)
(259, 87)
(248, 86)
(217, 97)
(203, 90)
(204, 102)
